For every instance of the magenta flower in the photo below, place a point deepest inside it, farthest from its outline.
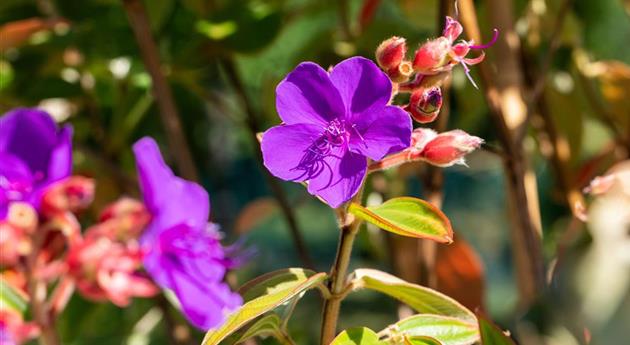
(184, 252)
(33, 154)
(333, 122)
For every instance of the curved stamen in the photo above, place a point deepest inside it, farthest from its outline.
(495, 36)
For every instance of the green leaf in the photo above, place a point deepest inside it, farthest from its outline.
(264, 294)
(268, 325)
(408, 216)
(421, 340)
(447, 330)
(492, 335)
(11, 298)
(357, 336)
(421, 299)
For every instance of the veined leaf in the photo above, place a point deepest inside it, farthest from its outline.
(264, 294)
(357, 336)
(421, 340)
(266, 326)
(11, 298)
(409, 217)
(421, 299)
(492, 335)
(445, 329)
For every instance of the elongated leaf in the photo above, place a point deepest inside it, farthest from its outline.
(421, 340)
(357, 336)
(11, 298)
(409, 217)
(447, 330)
(492, 335)
(266, 326)
(264, 294)
(421, 299)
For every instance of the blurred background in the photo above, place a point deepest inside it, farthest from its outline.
(119, 70)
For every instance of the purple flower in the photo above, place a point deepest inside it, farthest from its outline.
(333, 122)
(33, 154)
(184, 252)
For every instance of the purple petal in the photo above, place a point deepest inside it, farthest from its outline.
(30, 134)
(389, 132)
(307, 96)
(170, 200)
(361, 84)
(285, 147)
(340, 178)
(60, 164)
(16, 181)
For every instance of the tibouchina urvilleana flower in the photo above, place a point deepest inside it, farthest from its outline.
(184, 252)
(332, 122)
(34, 153)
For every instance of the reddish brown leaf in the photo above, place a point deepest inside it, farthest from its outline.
(460, 273)
(254, 213)
(15, 33)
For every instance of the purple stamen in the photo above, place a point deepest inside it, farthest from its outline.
(495, 36)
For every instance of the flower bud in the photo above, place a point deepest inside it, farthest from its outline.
(420, 137)
(391, 53)
(72, 194)
(23, 216)
(425, 104)
(452, 29)
(449, 148)
(431, 56)
(124, 219)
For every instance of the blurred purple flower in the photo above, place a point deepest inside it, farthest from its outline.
(34, 153)
(331, 123)
(184, 252)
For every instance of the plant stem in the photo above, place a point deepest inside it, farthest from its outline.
(162, 92)
(349, 227)
(276, 188)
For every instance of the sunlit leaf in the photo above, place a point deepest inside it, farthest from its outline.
(492, 335)
(357, 336)
(421, 340)
(408, 216)
(266, 326)
(421, 299)
(265, 294)
(11, 298)
(445, 329)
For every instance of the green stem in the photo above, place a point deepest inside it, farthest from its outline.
(349, 228)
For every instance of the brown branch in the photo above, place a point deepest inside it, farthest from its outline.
(276, 188)
(504, 94)
(162, 92)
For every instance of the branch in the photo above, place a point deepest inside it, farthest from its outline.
(162, 92)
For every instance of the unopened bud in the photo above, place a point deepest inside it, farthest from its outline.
(425, 104)
(391, 53)
(23, 216)
(72, 194)
(452, 29)
(128, 216)
(449, 148)
(420, 137)
(431, 56)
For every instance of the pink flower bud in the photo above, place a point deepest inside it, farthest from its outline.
(124, 219)
(432, 56)
(449, 148)
(452, 29)
(14, 243)
(391, 52)
(425, 104)
(23, 216)
(72, 194)
(420, 137)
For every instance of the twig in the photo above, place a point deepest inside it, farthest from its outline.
(504, 96)
(276, 188)
(161, 89)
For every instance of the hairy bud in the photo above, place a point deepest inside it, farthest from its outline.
(391, 53)
(72, 194)
(449, 148)
(432, 56)
(425, 104)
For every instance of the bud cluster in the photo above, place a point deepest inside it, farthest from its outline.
(422, 77)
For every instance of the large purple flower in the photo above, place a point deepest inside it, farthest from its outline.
(333, 122)
(33, 154)
(184, 252)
